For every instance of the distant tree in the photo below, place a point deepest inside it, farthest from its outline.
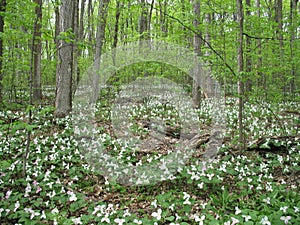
(2, 10)
(240, 60)
(80, 38)
(293, 13)
(90, 25)
(37, 53)
(279, 32)
(261, 77)
(75, 26)
(150, 17)
(64, 68)
(116, 30)
(117, 19)
(162, 17)
(143, 20)
(248, 54)
(101, 25)
(197, 49)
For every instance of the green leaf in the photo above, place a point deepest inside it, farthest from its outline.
(30, 127)
(248, 223)
(5, 164)
(214, 222)
(170, 218)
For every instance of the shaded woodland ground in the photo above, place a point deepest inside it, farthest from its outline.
(254, 186)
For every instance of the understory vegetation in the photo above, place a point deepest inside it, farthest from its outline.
(153, 112)
(45, 178)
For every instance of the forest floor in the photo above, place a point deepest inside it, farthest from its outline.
(50, 174)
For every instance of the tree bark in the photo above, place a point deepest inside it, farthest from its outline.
(261, 81)
(116, 31)
(240, 60)
(102, 17)
(37, 53)
(143, 21)
(248, 53)
(80, 37)
(293, 12)
(279, 33)
(197, 50)
(90, 25)
(162, 17)
(149, 19)
(2, 10)
(207, 33)
(117, 18)
(64, 67)
(75, 26)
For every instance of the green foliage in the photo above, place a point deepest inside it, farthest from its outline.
(60, 186)
(170, 22)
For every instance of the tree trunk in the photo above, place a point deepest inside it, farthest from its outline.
(2, 10)
(102, 17)
(57, 15)
(90, 25)
(37, 53)
(261, 81)
(81, 21)
(143, 21)
(162, 17)
(279, 32)
(197, 49)
(150, 18)
(293, 12)
(80, 37)
(240, 60)
(207, 33)
(117, 18)
(248, 53)
(64, 67)
(75, 25)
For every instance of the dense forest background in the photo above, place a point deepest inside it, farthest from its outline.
(32, 34)
(239, 167)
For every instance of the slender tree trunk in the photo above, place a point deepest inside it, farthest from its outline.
(240, 60)
(64, 67)
(150, 18)
(117, 18)
(279, 33)
(90, 25)
(262, 79)
(116, 31)
(207, 38)
(37, 53)
(143, 29)
(81, 21)
(127, 24)
(224, 49)
(75, 25)
(162, 17)
(207, 33)
(2, 10)
(57, 15)
(248, 53)
(293, 12)
(80, 37)
(143, 21)
(102, 17)
(197, 49)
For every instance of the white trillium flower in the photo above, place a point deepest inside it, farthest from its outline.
(157, 214)
(265, 221)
